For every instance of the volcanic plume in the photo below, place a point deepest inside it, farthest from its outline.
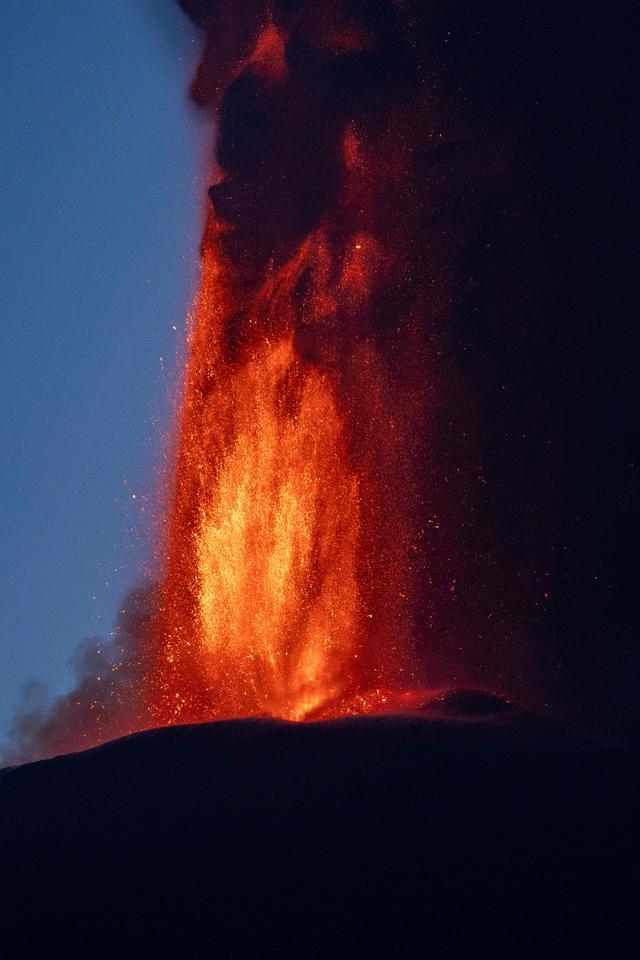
(371, 470)
(295, 490)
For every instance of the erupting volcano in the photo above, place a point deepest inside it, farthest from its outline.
(293, 541)
(390, 473)
(397, 464)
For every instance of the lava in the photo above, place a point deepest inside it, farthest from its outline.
(264, 605)
(290, 551)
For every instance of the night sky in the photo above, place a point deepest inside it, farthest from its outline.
(101, 216)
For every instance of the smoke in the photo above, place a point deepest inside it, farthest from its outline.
(287, 82)
(107, 699)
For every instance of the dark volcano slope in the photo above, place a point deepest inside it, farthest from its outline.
(469, 827)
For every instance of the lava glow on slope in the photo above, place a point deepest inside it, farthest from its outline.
(290, 549)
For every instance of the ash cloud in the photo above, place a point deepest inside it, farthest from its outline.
(108, 697)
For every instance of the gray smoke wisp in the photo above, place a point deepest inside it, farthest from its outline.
(107, 699)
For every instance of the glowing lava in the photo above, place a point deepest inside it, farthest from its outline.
(278, 596)
(287, 570)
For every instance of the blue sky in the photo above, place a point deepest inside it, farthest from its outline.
(101, 213)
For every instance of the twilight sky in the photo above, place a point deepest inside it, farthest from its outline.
(98, 252)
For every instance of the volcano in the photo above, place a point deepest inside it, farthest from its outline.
(470, 827)
(398, 465)
(402, 458)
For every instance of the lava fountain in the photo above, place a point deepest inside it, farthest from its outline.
(292, 545)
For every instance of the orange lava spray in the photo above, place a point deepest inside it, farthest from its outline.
(288, 570)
